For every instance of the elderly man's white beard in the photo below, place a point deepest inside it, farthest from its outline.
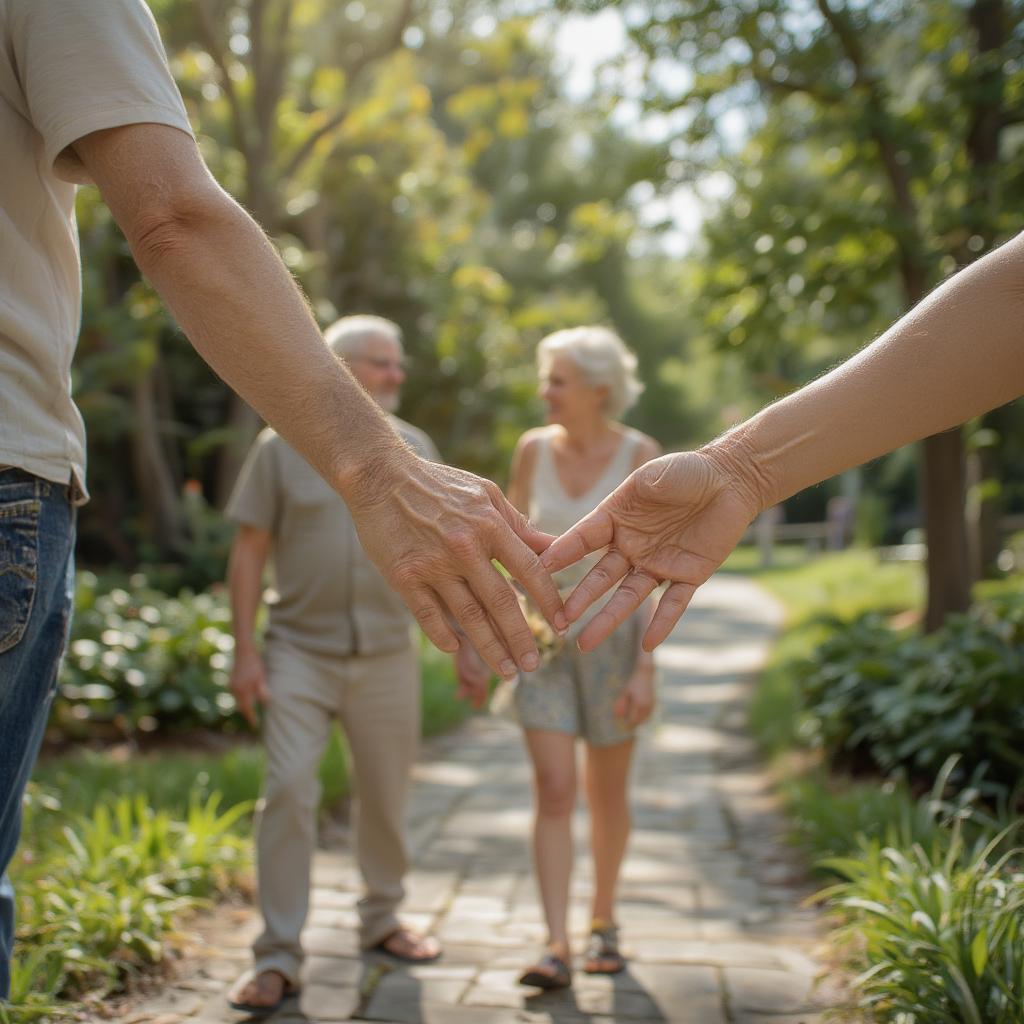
(389, 401)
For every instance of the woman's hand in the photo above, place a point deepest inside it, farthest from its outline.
(675, 519)
(636, 701)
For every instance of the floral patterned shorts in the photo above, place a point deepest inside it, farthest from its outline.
(575, 692)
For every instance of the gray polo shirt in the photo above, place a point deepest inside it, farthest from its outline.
(330, 599)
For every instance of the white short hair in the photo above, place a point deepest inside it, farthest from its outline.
(347, 337)
(603, 359)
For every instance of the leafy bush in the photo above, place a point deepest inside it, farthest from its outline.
(944, 935)
(932, 895)
(100, 905)
(905, 702)
(832, 816)
(139, 660)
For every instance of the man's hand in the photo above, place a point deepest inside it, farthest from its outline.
(473, 675)
(675, 519)
(433, 531)
(248, 683)
(636, 701)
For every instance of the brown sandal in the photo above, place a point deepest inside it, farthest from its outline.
(556, 976)
(602, 950)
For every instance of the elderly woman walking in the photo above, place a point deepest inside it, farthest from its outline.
(560, 472)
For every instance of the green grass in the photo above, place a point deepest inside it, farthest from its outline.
(826, 811)
(843, 585)
(103, 827)
(829, 810)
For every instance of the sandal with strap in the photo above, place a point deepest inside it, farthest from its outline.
(556, 975)
(258, 1010)
(603, 956)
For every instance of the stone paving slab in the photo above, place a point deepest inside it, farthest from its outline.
(711, 897)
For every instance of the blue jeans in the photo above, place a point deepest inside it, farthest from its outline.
(37, 539)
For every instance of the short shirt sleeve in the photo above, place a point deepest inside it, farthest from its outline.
(256, 498)
(87, 65)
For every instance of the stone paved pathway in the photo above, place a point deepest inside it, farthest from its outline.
(710, 902)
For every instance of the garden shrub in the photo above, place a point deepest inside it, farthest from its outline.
(100, 904)
(942, 931)
(139, 660)
(906, 703)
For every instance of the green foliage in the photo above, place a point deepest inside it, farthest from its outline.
(139, 660)
(441, 711)
(406, 164)
(98, 903)
(831, 812)
(942, 930)
(909, 702)
(931, 904)
(816, 591)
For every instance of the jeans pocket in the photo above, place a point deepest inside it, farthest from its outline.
(19, 542)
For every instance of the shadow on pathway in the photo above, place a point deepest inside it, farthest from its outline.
(710, 901)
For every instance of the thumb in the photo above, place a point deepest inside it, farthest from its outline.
(536, 540)
(591, 533)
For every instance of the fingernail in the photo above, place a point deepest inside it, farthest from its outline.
(561, 622)
(508, 669)
(530, 661)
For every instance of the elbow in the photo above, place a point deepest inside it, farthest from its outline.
(169, 230)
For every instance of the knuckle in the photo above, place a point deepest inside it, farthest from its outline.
(503, 601)
(406, 576)
(425, 614)
(463, 544)
(471, 615)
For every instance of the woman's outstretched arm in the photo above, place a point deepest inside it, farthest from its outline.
(958, 354)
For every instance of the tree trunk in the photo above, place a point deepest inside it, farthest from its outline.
(984, 510)
(161, 504)
(988, 23)
(943, 483)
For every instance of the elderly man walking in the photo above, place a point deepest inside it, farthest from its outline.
(338, 646)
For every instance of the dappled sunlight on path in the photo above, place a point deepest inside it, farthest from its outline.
(710, 900)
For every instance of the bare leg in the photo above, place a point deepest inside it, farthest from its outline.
(554, 770)
(607, 783)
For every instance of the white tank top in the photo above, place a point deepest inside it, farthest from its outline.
(554, 511)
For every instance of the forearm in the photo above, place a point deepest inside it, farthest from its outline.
(236, 302)
(957, 354)
(245, 589)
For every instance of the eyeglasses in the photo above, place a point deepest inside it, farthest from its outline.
(382, 364)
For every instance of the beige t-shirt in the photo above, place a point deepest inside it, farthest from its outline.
(330, 599)
(67, 68)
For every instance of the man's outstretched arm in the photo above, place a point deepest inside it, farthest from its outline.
(431, 529)
(958, 354)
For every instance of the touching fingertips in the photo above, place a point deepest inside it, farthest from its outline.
(508, 669)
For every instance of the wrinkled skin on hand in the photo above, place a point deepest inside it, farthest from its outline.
(433, 531)
(673, 520)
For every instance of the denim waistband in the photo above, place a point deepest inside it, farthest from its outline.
(15, 482)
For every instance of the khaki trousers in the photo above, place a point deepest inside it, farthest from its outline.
(376, 698)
